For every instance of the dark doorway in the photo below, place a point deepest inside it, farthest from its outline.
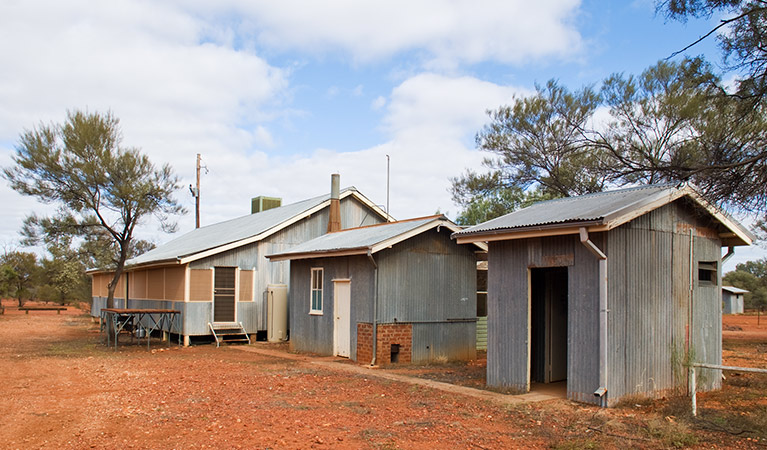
(223, 294)
(548, 320)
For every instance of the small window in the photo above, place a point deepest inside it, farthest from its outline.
(315, 306)
(707, 273)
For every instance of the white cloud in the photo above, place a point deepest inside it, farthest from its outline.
(175, 81)
(378, 103)
(183, 83)
(430, 121)
(448, 32)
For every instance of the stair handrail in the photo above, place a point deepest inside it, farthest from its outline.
(245, 333)
(213, 330)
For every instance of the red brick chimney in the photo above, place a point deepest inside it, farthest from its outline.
(334, 219)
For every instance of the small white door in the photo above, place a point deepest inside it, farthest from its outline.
(342, 317)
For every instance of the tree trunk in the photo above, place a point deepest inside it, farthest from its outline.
(116, 279)
(111, 288)
(21, 301)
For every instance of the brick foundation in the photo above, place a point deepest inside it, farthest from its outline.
(388, 334)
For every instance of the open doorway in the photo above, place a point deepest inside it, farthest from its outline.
(548, 322)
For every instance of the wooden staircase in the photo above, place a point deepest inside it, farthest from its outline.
(228, 332)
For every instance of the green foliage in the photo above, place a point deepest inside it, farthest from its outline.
(483, 198)
(102, 190)
(538, 141)
(742, 35)
(751, 276)
(18, 273)
(672, 123)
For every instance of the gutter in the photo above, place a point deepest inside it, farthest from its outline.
(601, 392)
(730, 253)
(542, 227)
(375, 306)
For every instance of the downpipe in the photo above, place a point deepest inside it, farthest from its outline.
(375, 306)
(601, 392)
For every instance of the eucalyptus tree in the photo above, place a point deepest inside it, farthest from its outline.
(102, 190)
(669, 124)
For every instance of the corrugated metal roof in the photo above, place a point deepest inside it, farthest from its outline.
(734, 290)
(584, 208)
(363, 237)
(227, 232)
(603, 210)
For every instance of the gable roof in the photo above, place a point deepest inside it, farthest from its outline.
(219, 237)
(363, 240)
(601, 211)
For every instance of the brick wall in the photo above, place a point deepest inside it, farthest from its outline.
(388, 334)
(364, 343)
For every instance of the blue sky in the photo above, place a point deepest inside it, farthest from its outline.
(278, 95)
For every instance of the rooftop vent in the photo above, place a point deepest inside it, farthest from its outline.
(261, 203)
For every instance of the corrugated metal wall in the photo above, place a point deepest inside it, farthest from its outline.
(444, 341)
(314, 333)
(648, 295)
(427, 280)
(509, 316)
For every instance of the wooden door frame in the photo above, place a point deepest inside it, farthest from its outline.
(213, 292)
(335, 316)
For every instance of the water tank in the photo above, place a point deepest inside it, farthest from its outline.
(277, 312)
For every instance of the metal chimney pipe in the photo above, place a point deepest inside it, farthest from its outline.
(334, 219)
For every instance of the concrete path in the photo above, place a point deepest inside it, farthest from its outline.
(331, 363)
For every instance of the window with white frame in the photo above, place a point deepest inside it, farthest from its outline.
(315, 306)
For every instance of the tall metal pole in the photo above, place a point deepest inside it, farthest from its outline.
(388, 215)
(197, 196)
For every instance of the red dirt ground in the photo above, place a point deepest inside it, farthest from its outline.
(63, 389)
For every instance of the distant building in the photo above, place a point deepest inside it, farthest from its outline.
(606, 292)
(732, 300)
(399, 292)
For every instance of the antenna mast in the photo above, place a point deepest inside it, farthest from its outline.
(388, 215)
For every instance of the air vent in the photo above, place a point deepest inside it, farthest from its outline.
(261, 203)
